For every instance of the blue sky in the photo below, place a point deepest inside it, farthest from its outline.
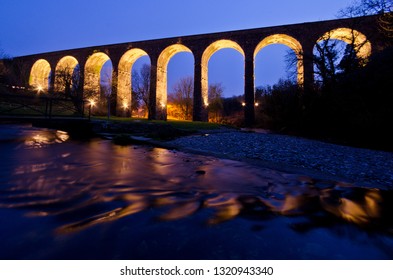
(35, 26)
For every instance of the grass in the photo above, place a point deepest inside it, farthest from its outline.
(183, 125)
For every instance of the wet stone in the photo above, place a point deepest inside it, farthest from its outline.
(355, 164)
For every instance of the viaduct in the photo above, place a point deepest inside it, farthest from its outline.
(362, 32)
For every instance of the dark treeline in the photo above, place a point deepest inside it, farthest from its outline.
(355, 108)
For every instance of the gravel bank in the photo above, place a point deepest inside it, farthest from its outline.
(370, 167)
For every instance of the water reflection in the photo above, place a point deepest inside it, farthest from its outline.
(356, 205)
(82, 185)
(85, 189)
(43, 138)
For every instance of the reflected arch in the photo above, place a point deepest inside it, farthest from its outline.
(64, 72)
(92, 77)
(207, 54)
(40, 75)
(361, 44)
(162, 67)
(124, 80)
(290, 42)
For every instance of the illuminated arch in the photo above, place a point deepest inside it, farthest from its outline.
(124, 80)
(93, 68)
(359, 41)
(39, 75)
(64, 70)
(289, 42)
(162, 66)
(209, 51)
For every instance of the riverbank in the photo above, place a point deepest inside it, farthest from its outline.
(360, 166)
(287, 153)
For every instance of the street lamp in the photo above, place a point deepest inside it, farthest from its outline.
(92, 103)
(39, 88)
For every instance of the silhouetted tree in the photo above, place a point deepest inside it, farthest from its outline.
(106, 102)
(141, 88)
(350, 61)
(14, 71)
(182, 97)
(68, 85)
(367, 7)
(291, 64)
(383, 8)
(67, 80)
(353, 103)
(215, 101)
(280, 106)
(4, 71)
(326, 60)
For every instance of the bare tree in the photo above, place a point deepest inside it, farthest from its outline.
(141, 88)
(333, 56)
(68, 85)
(292, 61)
(386, 24)
(4, 71)
(13, 71)
(67, 80)
(326, 61)
(182, 97)
(107, 97)
(383, 8)
(215, 101)
(3, 55)
(367, 7)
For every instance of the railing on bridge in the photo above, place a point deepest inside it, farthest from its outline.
(41, 106)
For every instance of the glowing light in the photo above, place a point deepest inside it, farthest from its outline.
(39, 88)
(256, 104)
(243, 104)
(163, 105)
(39, 74)
(125, 105)
(38, 141)
(92, 102)
(62, 136)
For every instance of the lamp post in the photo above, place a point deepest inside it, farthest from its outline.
(91, 104)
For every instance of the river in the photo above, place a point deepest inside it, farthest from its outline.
(63, 198)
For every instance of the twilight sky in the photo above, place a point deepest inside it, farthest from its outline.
(35, 26)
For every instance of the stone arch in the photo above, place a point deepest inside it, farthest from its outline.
(92, 77)
(64, 72)
(361, 44)
(162, 65)
(289, 42)
(39, 75)
(124, 80)
(209, 51)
